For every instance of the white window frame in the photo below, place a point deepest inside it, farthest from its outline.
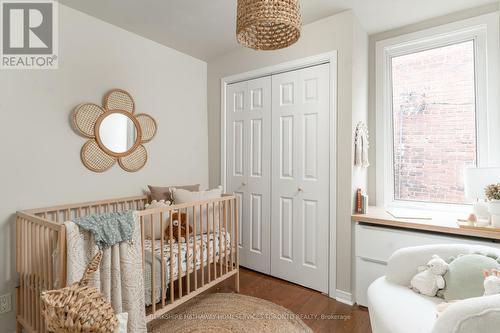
(485, 33)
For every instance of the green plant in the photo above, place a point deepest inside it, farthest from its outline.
(492, 192)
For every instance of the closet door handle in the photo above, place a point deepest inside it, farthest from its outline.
(243, 184)
(300, 189)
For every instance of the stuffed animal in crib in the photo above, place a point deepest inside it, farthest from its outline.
(430, 279)
(184, 231)
(491, 282)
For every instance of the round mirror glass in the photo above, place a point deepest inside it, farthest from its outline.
(117, 133)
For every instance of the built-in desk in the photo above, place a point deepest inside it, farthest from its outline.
(378, 234)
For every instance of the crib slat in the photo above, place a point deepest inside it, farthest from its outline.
(208, 245)
(162, 262)
(37, 276)
(213, 241)
(41, 273)
(188, 285)
(171, 257)
(47, 262)
(61, 241)
(22, 266)
(231, 220)
(18, 244)
(236, 236)
(225, 235)
(202, 244)
(51, 250)
(30, 276)
(34, 273)
(220, 237)
(179, 254)
(153, 263)
(195, 240)
(25, 269)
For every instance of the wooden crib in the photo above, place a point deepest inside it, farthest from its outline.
(41, 251)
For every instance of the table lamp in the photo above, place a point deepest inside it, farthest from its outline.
(475, 181)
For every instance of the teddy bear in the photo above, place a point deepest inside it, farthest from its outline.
(430, 279)
(184, 231)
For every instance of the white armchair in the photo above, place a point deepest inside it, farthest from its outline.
(395, 308)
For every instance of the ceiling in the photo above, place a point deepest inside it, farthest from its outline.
(205, 29)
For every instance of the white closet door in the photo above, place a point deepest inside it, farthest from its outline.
(300, 177)
(248, 124)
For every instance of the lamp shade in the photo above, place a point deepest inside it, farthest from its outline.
(268, 24)
(476, 179)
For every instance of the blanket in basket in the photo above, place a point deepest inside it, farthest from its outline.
(119, 277)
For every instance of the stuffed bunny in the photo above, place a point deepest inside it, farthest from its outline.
(430, 277)
(491, 282)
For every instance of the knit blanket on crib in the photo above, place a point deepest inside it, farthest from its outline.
(108, 229)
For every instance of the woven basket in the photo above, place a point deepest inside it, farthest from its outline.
(268, 25)
(79, 307)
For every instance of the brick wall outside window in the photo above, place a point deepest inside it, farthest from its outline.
(434, 123)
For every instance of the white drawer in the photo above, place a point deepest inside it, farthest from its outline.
(367, 271)
(375, 244)
(379, 243)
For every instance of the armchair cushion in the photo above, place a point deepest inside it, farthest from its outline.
(397, 309)
(479, 314)
(403, 264)
(465, 278)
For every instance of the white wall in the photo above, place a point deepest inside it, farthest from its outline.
(462, 15)
(340, 32)
(40, 162)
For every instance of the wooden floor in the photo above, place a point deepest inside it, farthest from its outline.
(311, 304)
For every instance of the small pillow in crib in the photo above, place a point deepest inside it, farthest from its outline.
(165, 192)
(183, 196)
(430, 277)
(156, 219)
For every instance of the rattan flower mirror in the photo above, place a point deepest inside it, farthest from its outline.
(115, 133)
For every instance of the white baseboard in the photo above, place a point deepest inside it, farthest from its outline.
(344, 297)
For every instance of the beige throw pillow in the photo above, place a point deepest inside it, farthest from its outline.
(183, 196)
(164, 192)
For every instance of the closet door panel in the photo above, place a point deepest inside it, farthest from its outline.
(300, 182)
(248, 123)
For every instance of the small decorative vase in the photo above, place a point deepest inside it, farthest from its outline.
(494, 209)
(480, 209)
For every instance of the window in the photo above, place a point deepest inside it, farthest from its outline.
(433, 109)
(434, 123)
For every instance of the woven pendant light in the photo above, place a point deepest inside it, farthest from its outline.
(268, 24)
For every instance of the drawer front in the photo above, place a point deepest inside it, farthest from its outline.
(367, 271)
(379, 243)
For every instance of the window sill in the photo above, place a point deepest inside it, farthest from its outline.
(440, 222)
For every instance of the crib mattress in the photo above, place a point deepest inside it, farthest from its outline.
(208, 242)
